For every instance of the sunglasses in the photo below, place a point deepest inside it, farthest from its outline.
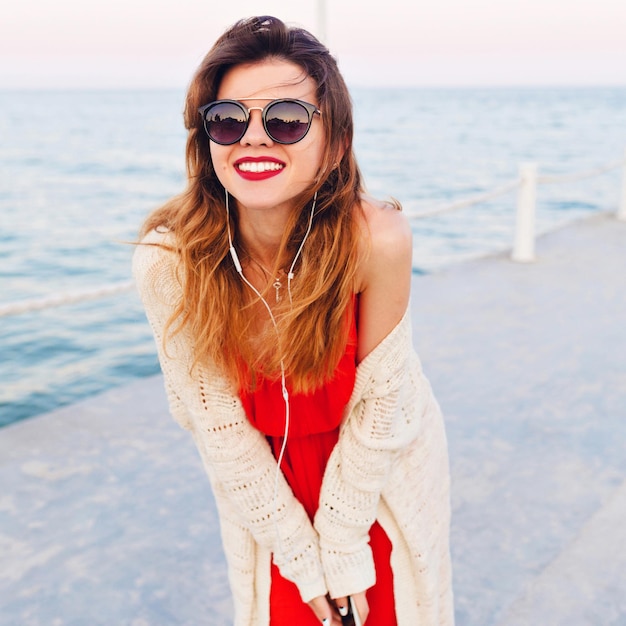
(285, 121)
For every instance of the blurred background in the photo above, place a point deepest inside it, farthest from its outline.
(157, 43)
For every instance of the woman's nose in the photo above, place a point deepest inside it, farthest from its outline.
(255, 132)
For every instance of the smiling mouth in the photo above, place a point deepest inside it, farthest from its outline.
(258, 167)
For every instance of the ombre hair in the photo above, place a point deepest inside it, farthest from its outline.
(216, 307)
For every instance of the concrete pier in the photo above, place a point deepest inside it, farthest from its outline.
(106, 517)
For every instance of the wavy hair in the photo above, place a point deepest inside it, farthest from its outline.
(216, 306)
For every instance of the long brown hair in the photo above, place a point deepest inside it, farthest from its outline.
(216, 305)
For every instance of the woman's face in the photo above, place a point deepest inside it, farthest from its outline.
(279, 172)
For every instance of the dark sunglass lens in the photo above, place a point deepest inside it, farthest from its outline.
(225, 122)
(287, 122)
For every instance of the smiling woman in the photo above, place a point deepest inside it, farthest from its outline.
(286, 349)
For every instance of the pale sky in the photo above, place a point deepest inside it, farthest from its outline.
(158, 43)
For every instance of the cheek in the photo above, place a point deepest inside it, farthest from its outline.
(219, 160)
(316, 161)
(216, 157)
(317, 150)
(311, 156)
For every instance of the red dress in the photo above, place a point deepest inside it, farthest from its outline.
(313, 433)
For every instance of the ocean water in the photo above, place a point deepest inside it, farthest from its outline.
(80, 170)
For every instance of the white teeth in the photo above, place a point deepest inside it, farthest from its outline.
(262, 166)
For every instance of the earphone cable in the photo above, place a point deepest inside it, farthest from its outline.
(283, 382)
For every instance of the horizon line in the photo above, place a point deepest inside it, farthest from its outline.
(355, 85)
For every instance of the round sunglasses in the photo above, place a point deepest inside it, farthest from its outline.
(285, 121)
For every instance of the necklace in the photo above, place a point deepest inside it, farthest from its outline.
(277, 284)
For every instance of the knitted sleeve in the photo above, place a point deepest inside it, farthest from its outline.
(243, 472)
(382, 418)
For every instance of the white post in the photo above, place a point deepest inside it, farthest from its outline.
(524, 246)
(322, 35)
(621, 211)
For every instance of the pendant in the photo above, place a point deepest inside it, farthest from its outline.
(277, 285)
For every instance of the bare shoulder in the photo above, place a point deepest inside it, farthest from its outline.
(385, 219)
(387, 242)
(384, 274)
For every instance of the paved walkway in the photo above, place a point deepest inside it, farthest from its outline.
(106, 517)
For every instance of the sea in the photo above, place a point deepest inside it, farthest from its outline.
(80, 170)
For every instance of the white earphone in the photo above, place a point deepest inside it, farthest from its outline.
(290, 274)
(285, 391)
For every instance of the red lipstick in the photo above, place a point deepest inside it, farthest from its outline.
(258, 168)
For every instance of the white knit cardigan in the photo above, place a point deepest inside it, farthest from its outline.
(390, 464)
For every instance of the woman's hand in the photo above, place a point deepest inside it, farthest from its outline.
(325, 611)
(360, 601)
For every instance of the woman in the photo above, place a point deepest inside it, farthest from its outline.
(277, 292)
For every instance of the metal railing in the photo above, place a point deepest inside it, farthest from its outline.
(524, 243)
(523, 246)
(524, 240)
